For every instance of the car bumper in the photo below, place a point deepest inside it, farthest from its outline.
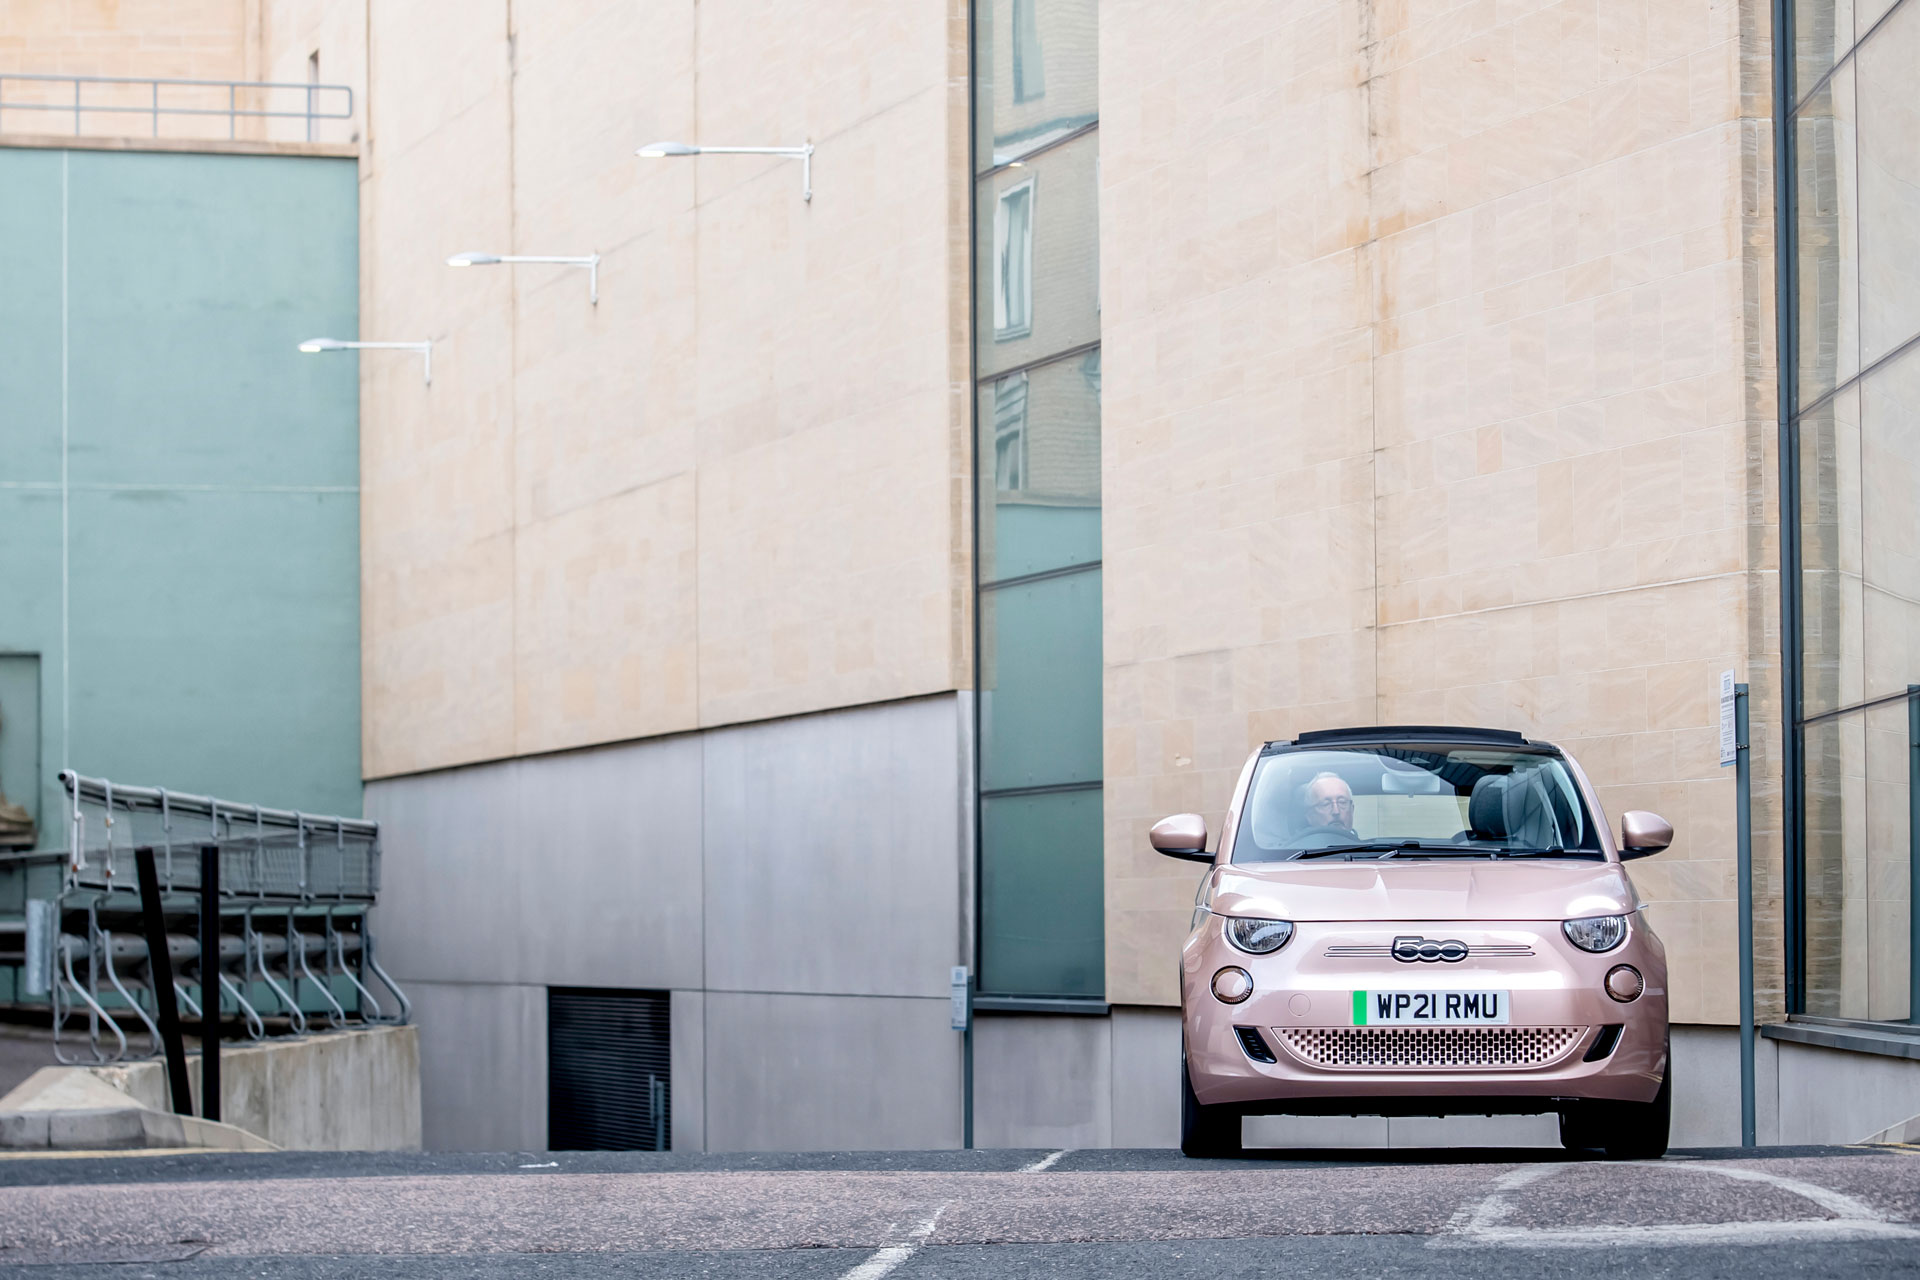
(1302, 1009)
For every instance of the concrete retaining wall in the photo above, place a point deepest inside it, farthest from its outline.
(355, 1090)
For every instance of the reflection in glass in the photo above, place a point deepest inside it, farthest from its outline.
(1013, 262)
(1887, 161)
(1858, 783)
(1039, 259)
(1036, 75)
(1029, 68)
(1827, 227)
(1040, 440)
(1037, 484)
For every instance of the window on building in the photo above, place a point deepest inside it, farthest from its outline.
(1029, 71)
(1010, 434)
(1854, 593)
(1013, 262)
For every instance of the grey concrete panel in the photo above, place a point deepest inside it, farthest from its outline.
(607, 843)
(483, 1066)
(687, 1028)
(1146, 1077)
(1831, 1095)
(833, 851)
(450, 896)
(1706, 1087)
(1042, 1080)
(580, 869)
(811, 1073)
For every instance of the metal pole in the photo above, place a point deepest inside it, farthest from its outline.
(1743, 784)
(966, 1087)
(160, 970)
(210, 981)
(1913, 853)
(1786, 268)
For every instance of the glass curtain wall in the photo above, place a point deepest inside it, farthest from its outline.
(1037, 488)
(1855, 400)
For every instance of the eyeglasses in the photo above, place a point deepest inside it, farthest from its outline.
(1333, 802)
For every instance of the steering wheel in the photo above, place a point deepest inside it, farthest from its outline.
(1323, 836)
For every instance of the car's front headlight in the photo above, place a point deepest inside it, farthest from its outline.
(1596, 933)
(1258, 936)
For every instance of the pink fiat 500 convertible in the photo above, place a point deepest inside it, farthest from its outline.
(1421, 921)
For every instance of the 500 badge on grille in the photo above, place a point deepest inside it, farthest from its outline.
(1429, 1008)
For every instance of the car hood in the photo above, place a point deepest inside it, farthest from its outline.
(1393, 890)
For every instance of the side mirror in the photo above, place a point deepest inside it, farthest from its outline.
(1184, 835)
(1643, 833)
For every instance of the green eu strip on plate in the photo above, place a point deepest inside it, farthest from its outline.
(1359, 1008)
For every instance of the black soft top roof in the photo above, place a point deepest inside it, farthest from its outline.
(1388, 733)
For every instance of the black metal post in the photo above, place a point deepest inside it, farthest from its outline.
(1913, 853)
(160, 969)
(210, 981)
(1786, 267)
(1743, 862)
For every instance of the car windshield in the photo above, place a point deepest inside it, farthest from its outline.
(1416, 801)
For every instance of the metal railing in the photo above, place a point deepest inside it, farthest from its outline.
(233, 100)
(265, 913)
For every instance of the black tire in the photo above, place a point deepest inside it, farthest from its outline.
(1639, 1130)
(1581, 1128)
(1205, 1132)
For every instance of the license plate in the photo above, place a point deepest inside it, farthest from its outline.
(1429, 1008)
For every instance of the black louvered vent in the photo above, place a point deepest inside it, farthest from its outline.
(608, 1070)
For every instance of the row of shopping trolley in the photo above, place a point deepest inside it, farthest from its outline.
(263, 915)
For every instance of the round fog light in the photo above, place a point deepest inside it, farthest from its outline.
(1232, 985)
(1624, 983)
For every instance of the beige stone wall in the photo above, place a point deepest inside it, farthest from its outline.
(734, 489)
(252, 41)
(1438, 390)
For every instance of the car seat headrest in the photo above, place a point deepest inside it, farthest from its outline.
(1487, 808)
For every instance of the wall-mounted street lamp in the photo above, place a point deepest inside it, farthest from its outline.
(313, 346)
(803, 153)
(591, 262)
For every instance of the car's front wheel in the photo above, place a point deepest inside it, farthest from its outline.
(1624, 1130)
(1205, 1130)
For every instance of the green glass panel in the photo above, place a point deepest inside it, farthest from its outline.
(1040, 683)
(1039, 469)
(1042, 898)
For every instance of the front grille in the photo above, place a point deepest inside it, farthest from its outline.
(1418, 1048)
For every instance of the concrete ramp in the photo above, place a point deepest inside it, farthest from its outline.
(356, 1090)
(73, 1109)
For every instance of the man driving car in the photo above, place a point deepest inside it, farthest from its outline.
(1329, 802)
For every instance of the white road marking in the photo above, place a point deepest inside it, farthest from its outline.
(885, 1260)
(1481, 1224)
(552, 1164)
(1044, 1163)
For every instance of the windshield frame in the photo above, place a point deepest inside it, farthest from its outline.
(1595, 845)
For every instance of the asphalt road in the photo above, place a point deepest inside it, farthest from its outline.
(1845, 1211)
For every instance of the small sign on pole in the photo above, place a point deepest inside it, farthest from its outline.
(962, 1007)
(1729, 739)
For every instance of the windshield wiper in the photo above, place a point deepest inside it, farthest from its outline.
(1378, 848)
(1551, 851)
